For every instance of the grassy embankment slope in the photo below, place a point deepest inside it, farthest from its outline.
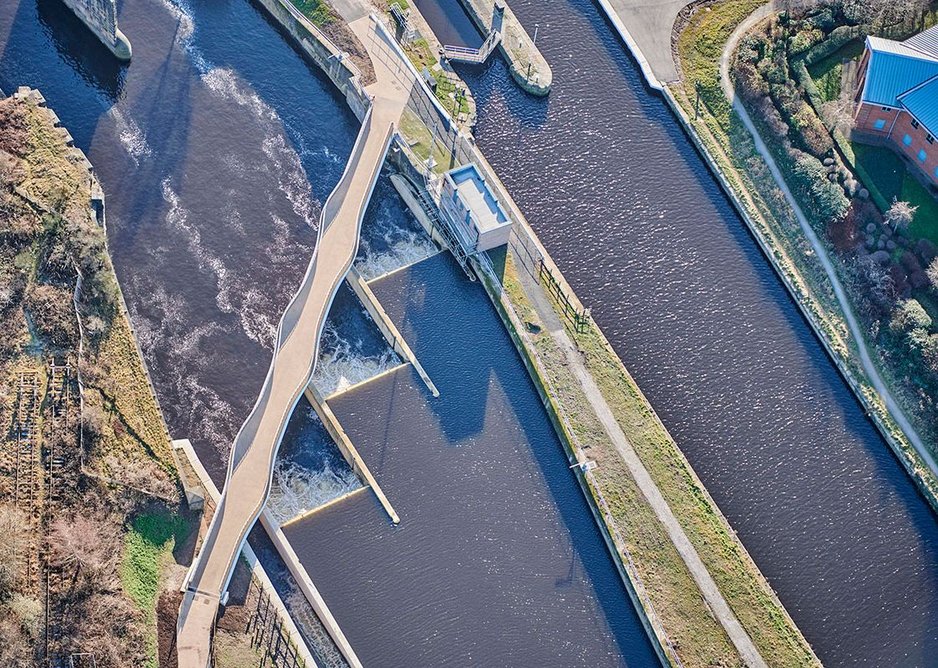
(696, 637)
(119, 478)
(731, 147)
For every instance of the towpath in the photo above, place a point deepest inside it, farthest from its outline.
(698, 570)
(856, 332)
(255, 447)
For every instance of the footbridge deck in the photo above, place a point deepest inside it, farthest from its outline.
(255, 448)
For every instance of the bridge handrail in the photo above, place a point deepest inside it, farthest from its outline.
(290, 313)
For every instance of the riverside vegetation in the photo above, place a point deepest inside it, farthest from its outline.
(84, 474)
(794, 74)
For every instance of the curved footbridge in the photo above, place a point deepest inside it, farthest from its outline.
(255, 448)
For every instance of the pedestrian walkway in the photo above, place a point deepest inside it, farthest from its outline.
(255, 448)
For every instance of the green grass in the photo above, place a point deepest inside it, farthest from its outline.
(700, 641)
(316, 11)
(828, 71)
(887, 172)
(418, 136)
(149, 539)
(700, 46)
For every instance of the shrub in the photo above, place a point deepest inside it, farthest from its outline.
(812, 136)
(804, 40)
(772, 118)
(909, 315)
(51, 310)
(824, 200)
(749, 82)
(932, 273)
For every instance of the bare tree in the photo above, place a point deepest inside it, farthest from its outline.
(86, 546)
(839, 113)
(900, 214)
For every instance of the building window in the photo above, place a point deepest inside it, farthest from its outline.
(880, 124)
(922, 156)
(915, 124)
(907, 140)
(930, 139)
(885, 108)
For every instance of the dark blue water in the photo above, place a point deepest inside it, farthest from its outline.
(647, 239)
(496, 560)
(216, 147)
(450, 22)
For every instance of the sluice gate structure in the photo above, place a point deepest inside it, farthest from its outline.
(254, 451)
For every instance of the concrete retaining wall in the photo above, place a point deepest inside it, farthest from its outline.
(336, 63)
(101, 18)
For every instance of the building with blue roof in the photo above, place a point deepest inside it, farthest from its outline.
(897, 96)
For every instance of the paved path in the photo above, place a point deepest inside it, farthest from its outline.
(856, 332)
(648, 25)
(255, 447)
(708, 587)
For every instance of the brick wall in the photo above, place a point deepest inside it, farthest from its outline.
(897, 124)
(919, 142)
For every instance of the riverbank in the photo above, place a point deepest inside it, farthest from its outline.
(87, 460)
(726, 144)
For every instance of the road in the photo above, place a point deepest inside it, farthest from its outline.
(255, 448)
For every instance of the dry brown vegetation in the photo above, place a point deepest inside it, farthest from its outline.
(71, 480)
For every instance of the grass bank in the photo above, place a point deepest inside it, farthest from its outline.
(148, 546)
(663, 581)
(730, 148)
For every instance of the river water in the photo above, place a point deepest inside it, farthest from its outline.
(217, 146)
(643, 233)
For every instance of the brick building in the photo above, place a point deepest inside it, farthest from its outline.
(897, 96)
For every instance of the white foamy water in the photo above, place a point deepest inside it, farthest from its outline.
(237, 293)
(130, 135)
(413, 248)
(296, 490)
(339, 366)
(223, 81)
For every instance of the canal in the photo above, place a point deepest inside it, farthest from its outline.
(647, 239)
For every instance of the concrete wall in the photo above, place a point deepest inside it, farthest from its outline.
(336, 63)
(101, 18)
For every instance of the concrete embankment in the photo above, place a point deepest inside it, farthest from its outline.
(101, 18)
(528, 66)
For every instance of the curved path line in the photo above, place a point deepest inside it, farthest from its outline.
(254, 451)
(855, 330)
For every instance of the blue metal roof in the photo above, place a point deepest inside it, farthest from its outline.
(922, 102)
(895, 69)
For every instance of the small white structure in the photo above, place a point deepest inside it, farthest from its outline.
(473, 211)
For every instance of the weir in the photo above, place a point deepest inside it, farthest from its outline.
(254, 451)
